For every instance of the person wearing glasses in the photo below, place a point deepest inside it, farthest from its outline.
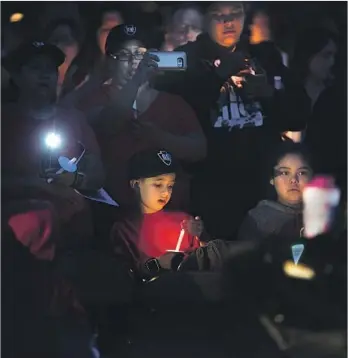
(131, 116)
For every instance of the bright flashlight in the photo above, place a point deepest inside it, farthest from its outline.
(16, 17)
(53, 140)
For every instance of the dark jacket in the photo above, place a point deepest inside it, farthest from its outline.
(270, 218)
(234, 152)
(200, 86)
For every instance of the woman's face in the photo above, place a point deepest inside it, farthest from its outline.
(321, 64)
(260, 29)
(128, 58)
(291, 175)
(109, 21)
(187, 25)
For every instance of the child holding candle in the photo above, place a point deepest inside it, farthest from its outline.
(154, 239)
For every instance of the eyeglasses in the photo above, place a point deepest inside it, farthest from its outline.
(227, 18)
(129, 57)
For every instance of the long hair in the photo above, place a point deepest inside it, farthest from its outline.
(285, 149)
(281, 151)
(308, 44)
(75, 28)
(89, 56)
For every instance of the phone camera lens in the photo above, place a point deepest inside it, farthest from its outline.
(180, 62)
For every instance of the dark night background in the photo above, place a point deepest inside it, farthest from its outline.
(287, 16)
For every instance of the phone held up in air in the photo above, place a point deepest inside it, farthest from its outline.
(171, 60)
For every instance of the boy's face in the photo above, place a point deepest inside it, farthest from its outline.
(156, 192)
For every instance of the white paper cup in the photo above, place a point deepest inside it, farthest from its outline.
(318, 211)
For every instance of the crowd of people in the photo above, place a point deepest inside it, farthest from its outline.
(204, 171)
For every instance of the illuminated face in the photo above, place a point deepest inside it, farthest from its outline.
(260, 29)
(156, 192)
(290, 177)
(109, 21)
(187, 25)
(321, 64)
(39, 76)
(127, 60)
(226, 24)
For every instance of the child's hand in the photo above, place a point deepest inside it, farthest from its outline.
(194, 226)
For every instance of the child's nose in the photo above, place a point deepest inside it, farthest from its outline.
(294, 179)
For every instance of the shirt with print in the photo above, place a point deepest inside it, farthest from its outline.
(232, 112)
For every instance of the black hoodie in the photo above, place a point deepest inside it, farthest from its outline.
(235, 155)
(200, 86)
(234, 148)
(270, 218)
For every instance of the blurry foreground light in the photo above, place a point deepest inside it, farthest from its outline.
(16, 17)
(299, 271)
(53, 140)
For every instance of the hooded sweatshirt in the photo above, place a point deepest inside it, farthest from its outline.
(271, 218)
(240, 135)
(219, 104)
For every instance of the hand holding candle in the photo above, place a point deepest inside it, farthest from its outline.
(194, 226)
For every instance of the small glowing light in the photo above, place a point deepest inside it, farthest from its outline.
(299, 271)
(297, 251)
(53, 140)
(16, 17)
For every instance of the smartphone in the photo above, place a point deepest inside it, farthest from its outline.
(171, 60)
(256, 80)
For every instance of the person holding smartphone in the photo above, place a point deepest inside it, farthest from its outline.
(130, 115)
(27, 159)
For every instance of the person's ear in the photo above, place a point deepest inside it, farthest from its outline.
(271, 181)
(134, 184)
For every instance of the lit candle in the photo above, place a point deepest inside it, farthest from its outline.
(181, 237)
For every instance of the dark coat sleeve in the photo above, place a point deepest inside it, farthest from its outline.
(249, 230)
(124, 239)
(290, 108)
(199, 85)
